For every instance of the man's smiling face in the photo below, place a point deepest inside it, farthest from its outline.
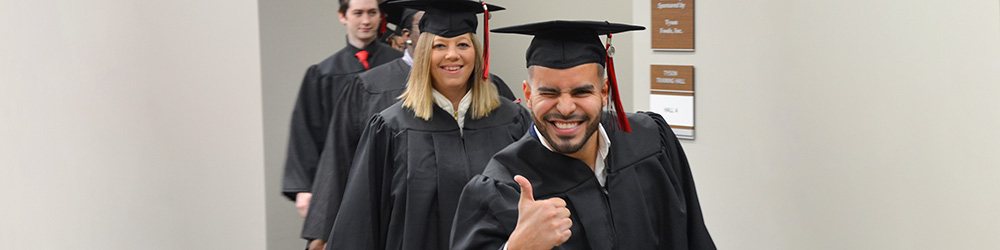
(566, 104)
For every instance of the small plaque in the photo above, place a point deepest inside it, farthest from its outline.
(672, 96)
(673, 25)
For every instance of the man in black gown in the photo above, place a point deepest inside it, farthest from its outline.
(571, 184)
(321, 85)
(369, 93)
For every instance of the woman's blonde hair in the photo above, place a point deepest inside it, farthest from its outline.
(418, 97)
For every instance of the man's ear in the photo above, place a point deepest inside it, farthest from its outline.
(343, 19)
(604, 92)
(526, 88)
(405, 34)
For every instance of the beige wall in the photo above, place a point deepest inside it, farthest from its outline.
(130, 125)
(843, 124)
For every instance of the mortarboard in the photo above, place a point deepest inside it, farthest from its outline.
(450, 18)
(396, 15)
(406, 19)
(390, 14)
(565, 44)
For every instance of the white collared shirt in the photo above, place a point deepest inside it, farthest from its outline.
(407, 58)
(463, 106)
(603, 147)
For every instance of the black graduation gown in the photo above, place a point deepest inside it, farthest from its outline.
(369, 93)
(321, 85)
(408, 173)
(650, 201)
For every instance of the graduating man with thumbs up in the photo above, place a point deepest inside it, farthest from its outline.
(570, 183)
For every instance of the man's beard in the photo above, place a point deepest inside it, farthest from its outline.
(566, 147)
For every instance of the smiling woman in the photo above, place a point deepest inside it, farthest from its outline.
(446, 65)
(414, 157)
(452, 62)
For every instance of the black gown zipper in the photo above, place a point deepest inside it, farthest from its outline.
(607, 201)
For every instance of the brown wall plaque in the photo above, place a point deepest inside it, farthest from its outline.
(671, 79)
(671, 94)
(673, 25)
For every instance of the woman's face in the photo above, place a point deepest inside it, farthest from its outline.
(452, 61)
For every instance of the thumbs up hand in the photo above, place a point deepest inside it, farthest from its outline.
(541, 224)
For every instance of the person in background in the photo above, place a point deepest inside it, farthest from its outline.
(415, 156)
(392, 36)
(366, 94)
(321, 85)
(627, 187)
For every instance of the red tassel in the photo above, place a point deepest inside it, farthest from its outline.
(486, 43)
(620, 117)
(383, 25)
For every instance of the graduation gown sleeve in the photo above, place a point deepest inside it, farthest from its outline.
(368, 94)
(303, 149)
(695, 232)
(486, 215)
(310, 121)
(318, 93)
(334, 163)
(372, 199)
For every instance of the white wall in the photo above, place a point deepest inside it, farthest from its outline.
(130, 125)
(843, 124)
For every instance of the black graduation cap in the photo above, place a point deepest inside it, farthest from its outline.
(406, 19)
(450, 18)
(390, 14)
(396, 15)
(562, 44)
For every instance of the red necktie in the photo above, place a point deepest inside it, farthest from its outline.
(363, 57)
